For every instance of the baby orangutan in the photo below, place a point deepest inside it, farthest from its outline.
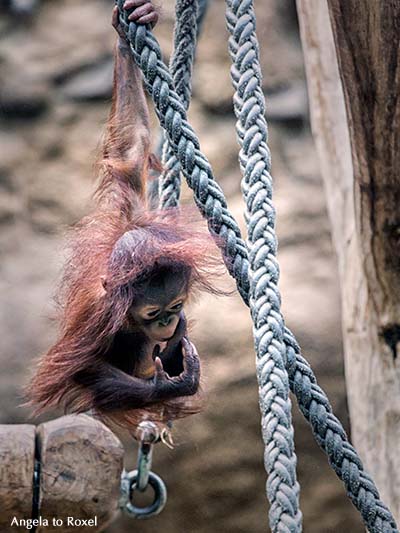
(123, 349)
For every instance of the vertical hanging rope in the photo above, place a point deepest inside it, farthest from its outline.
(283, 491)
(195, 166)
(280, 459)
(313, 402)
(255, 162)
(189, 17)
(275, 404)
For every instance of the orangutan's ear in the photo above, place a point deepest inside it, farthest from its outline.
(104, 282)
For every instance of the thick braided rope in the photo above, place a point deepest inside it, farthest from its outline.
(197, 170)
(312, 400)
(201, 13)
(274, 396)
(265, 299)
(254, 157)
(181, 67)
(331, 437)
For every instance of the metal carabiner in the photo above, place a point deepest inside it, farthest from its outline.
(147, 434)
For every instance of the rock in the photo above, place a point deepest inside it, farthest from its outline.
(12, 150)
(22, 106)
(289, 104)
(10, 207)
(212, 86)
(4, 6)
(92, 83)
(22, 98)
(23, 7)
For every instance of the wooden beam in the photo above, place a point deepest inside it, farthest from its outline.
(353, 75)
(78, 463)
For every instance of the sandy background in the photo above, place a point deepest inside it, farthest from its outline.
(55, 87)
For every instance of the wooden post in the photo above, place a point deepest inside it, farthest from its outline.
(352, 57)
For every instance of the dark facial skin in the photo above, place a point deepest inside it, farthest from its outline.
(164, 295)
(158, 313)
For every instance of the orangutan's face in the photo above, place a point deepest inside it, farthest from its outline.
(158, 313)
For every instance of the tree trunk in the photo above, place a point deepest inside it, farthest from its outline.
(352, 57)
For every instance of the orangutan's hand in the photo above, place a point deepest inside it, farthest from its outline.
(187, 383)
(143, 12)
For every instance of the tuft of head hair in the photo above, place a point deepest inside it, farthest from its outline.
(124, 253)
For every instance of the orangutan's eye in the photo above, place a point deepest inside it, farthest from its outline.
(177, 307)
(153, 314)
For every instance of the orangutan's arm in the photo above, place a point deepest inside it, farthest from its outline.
(128, 129)
(112, 389)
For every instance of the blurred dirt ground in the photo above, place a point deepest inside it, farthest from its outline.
(55, 87)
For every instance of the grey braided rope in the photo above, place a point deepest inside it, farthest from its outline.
(255, 162)
(278, 434)
(181, 67)
(265, 299)
(331, 437)
(312, 400)
(197, 170)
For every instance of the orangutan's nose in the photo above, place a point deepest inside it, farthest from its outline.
(165, 321)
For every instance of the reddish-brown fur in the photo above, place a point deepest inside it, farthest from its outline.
(90, 315)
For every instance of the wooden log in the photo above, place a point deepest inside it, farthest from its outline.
(353, 67)
(63, 476)
(17, 458)
(81, 465)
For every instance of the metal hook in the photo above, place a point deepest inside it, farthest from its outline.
(147, 434)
